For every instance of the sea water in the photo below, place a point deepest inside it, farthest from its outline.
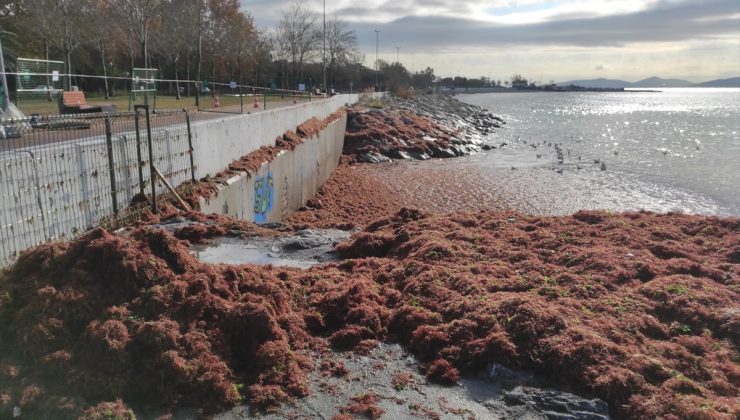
(673, 150)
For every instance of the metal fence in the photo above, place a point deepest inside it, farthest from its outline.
(37, 97)
(61, 175)
(241, 99)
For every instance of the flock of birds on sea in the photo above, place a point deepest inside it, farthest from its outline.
(601, 164)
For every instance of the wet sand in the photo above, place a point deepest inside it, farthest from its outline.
(519, 181)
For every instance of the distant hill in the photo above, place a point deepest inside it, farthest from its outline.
(598, 83)
(657, 82)
(731, 82)
(651, 82)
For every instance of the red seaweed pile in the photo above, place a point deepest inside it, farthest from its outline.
(138, 318)
(417, 127)
(365, 405)
(638, 309)
(395, 134)
(348, 199)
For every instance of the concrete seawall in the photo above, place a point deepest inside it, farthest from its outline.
(47, 204)
(284, 184)
(220, 141)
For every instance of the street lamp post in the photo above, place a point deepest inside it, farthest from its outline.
(324, 59)
(4, 98)
(377, 86)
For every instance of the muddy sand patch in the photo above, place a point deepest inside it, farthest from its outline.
(386, 383)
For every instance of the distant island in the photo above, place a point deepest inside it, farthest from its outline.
(519, 83)
(652, 82)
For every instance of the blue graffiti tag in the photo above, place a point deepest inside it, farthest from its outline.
(264, 197)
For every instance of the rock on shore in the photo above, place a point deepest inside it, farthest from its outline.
(421, 127)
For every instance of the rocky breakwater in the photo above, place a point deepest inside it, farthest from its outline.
(422, 127)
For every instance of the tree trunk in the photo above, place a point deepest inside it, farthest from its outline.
(197, 68)
(69, 66)
(187, 76)
(238, 66)
(46, 56)
(213, 73)
(144, 45)
(67, 53)
(177, 82)
(300, 71)
(105, 69)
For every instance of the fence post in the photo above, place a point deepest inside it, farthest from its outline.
(152, 175)
(138, 153)
(197, 96)
(190, 145)
(111, 164)
(241, 97)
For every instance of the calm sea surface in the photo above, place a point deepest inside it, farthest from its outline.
(677, 150)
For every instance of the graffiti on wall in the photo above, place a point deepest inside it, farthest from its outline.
(264, 197)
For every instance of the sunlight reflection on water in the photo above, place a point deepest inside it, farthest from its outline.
(675, 150)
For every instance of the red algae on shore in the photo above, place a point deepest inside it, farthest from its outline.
(365, 405)
(376, 132)
(137, 317)
(349, 199)
(638, 309)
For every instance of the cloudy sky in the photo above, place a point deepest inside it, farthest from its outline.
(543, 39)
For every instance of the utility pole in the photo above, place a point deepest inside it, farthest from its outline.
(4, 98)
(377, 86)
(324, 59)
(398, 52)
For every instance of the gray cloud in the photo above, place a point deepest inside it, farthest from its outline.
(666, 22)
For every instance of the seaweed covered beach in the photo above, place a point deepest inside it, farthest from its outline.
(637, 309)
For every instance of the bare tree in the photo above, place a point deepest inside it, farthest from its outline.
(299, 34)
(261, 53)
(341, 45)
(140, 16)
(171, 38)
(230, 34)
(282, 53)
(57, 22)
(240, 36)
(42, 23)
(97, 16)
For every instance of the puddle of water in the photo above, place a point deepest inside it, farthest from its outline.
(243, 253)
(304, 250)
